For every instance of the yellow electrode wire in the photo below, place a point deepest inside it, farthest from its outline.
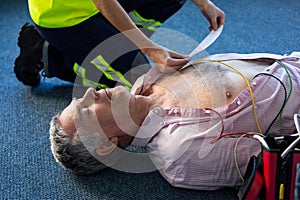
(248, 85)
(281, 191)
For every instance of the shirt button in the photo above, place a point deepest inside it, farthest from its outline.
(175, 111)
(254, 83)
(207, 111)
(238, 102)
(161, 123)
(156, 111)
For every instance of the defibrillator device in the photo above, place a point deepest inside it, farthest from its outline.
(275, 173)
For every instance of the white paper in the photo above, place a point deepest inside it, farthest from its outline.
(212, 36)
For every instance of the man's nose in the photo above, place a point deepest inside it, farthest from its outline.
(89, 97)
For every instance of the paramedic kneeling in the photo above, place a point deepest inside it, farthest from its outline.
(196, 124)
(64, 34)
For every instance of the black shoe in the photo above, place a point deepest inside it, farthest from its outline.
(29, 63)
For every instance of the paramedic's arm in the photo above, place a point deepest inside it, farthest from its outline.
(165, 59)
(212, 13)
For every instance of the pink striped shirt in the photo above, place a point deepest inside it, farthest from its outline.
(179, 139)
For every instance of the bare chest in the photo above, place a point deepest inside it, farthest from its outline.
(205, 85)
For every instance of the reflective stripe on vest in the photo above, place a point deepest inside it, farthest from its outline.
(150, 24)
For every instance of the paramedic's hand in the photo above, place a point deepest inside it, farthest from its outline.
(212, 13)
(167, 60)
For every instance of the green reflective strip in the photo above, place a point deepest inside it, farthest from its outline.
(80, 71)
(150, 21)
(100, 86)
(105, 72)
(150, 24)
(96, 84)
(146, 26)
(110, 72)
(75, 68)
(119, 74)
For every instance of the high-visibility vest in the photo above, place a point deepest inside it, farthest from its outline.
(59, 14)
(66, 13)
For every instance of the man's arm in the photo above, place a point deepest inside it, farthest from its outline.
(212, 13)
(162, 57)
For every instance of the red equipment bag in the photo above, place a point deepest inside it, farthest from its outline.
(275, 174)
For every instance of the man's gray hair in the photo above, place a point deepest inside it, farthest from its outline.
(70, 152)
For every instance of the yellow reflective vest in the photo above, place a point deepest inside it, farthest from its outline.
(60, 13)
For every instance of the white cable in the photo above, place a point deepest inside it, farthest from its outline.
(296, 121)
(262, 141)
(289, 148)
(235, 157)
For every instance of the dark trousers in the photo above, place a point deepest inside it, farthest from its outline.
(71, 45)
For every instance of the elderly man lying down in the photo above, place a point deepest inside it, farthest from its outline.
(196, 124)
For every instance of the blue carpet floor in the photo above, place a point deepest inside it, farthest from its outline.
(28, 170)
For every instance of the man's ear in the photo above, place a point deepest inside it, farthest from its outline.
(106, 146)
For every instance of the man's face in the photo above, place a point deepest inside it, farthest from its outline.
(106, 111)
